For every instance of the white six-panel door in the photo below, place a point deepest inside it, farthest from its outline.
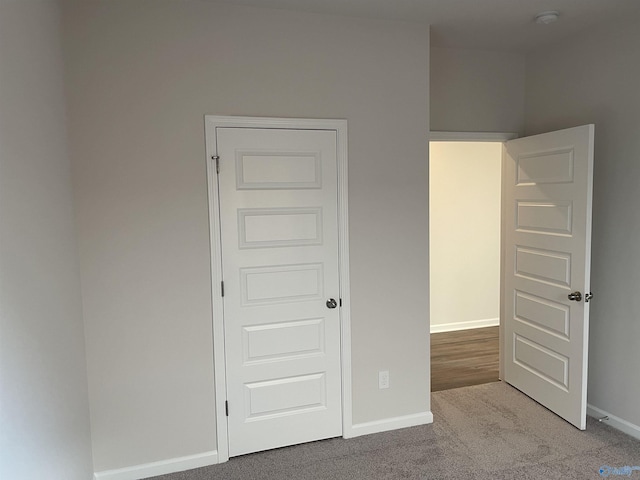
(279, 241)
(548, 184)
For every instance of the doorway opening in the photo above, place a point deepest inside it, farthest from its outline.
(465, 251)
(544, 263)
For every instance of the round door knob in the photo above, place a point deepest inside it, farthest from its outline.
(331, 303)
(575, 296)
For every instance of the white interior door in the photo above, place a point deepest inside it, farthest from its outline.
(548, 184)
(278, 217)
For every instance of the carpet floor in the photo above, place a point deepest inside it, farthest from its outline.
(489, 431)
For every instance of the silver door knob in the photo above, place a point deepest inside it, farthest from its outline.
(575, 296)
(331, 303)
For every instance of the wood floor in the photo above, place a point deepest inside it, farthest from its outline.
(464, 358)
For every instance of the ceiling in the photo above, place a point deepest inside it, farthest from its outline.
(500, 25)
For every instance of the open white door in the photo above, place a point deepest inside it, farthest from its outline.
(548, 185)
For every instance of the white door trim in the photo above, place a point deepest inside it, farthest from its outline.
(340, 127)
(503, 261)
(441, 136)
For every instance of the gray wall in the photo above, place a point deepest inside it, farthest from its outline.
(594, 78)
(141, 75)
(477, 91)
(44, 409)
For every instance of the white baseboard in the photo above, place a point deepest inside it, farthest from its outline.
(393, 423)
(163, 467)
(452, 327)
(615, 422)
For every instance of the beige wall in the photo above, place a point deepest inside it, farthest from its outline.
(464, 226)
(44, 412)
(141, 75)
(476, 91)
(594, 78)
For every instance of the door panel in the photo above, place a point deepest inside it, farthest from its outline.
(278, 215)
(548, 184)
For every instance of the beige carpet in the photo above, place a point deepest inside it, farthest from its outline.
(487, 431)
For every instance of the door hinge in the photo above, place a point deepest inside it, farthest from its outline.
(217, 159)
(226, 408)
(222, 288)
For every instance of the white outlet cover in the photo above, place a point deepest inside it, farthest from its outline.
(383, 379)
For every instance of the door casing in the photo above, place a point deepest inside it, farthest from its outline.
(212, 122)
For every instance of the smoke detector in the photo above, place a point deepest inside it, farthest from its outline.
(545, 18)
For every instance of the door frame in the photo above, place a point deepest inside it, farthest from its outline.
(445, 136)
(212, 122)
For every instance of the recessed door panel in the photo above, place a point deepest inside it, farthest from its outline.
(540, 167)
(281, 283)
(544, 266)
(548, 315)
(279, 227)
(273, 169)
(284, 396)
(544, 217)
(283, 340)
(541, 361)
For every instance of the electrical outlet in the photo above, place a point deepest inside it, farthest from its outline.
(383, 379)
